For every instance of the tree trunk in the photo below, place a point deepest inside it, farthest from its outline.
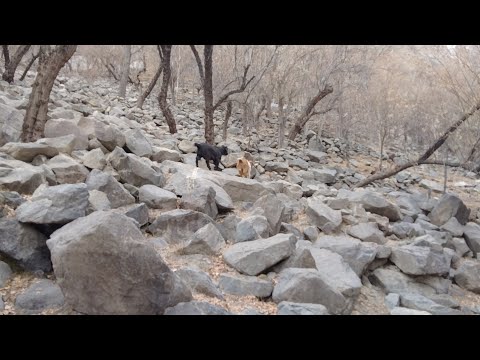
(308, 112)
(200, 67)
(152, 84)
(445, 174)
(127, 54)
(6, 55)
(281, 123)
(259, 113)
(382, 143)
(13, 62)
(32, 60)
(228, 113)
(162, 97)
(50, 64)
(172, 87)
(208, 94)
(423, 158)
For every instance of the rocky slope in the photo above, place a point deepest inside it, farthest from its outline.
(109, 215)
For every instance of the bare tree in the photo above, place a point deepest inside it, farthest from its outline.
(228, 113)
(51, 61)
(208, 92)
(162, 97)
(11, 63)
(200, 67)
(153, 82)
(29, 65)
(127, 54)
(309, 111)
(424, 157)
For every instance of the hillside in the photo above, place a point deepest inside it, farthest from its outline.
(108, 215)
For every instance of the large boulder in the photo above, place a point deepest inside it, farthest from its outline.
(356, 253)
(109, 136)
(199, 281)
(374, 203)
(67, 170)
(134, 170)
(325, 218)
(11, 123)
(27, 151)
(420, 260)
(468, 275)
(471, 233)
(178, 226)
(137, 143)
(202, 199)
(55, 204)
(308, 286)
(292, 308)
(116, 193)
(157, 198)
(239, 189)
(449, 206)
(206, 240)
(25, 244)
(62, 127)
(274, 211)
(18, 176)
(104, 266)
(243, 285)
(196, 308)
(41, 295)
(254, 257)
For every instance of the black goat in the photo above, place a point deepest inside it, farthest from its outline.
(210, 152)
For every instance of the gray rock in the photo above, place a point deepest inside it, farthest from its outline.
(24, 244)
(55, 204)
(41, 295)
(254, 257)
(441, 285)
(137, 143)
(201, 199)
(5, 273)
(419, 302)
(95, 159)
(19, 176)
(180, 184)
(324, 217)
(67, 170)
(291, 308)
(228, 227)
(97, 201)
(116, 193)
(138, 212)
(161, 154)
(449, 206)
(453, 227)
(199, 281)
(392, 300)
(196, 308)
(471, 233)
(64, 144)
(252, 228)
(311, 233)
(396, 282)
(467, 276)
(133, 169)
(299, 163)
(426, 225)
(336, 272)
(301, 258)
(62, 127)
(242, 285)
(2, 304)
(157, 198)
(187, 146)
(420, 260)
(367, 232)
(177, 226)
(433, 185)
(357, 254)
(308, 286)
(325, 176)
(274, 211)
(27, 151)
(238, 189)
(130, 277)
(405, 311)
(407, 230)
(11, 123)
(316, 156)
(459, 245)
(11, 198)
(378, 205)
(109, 136)
(206, 240)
